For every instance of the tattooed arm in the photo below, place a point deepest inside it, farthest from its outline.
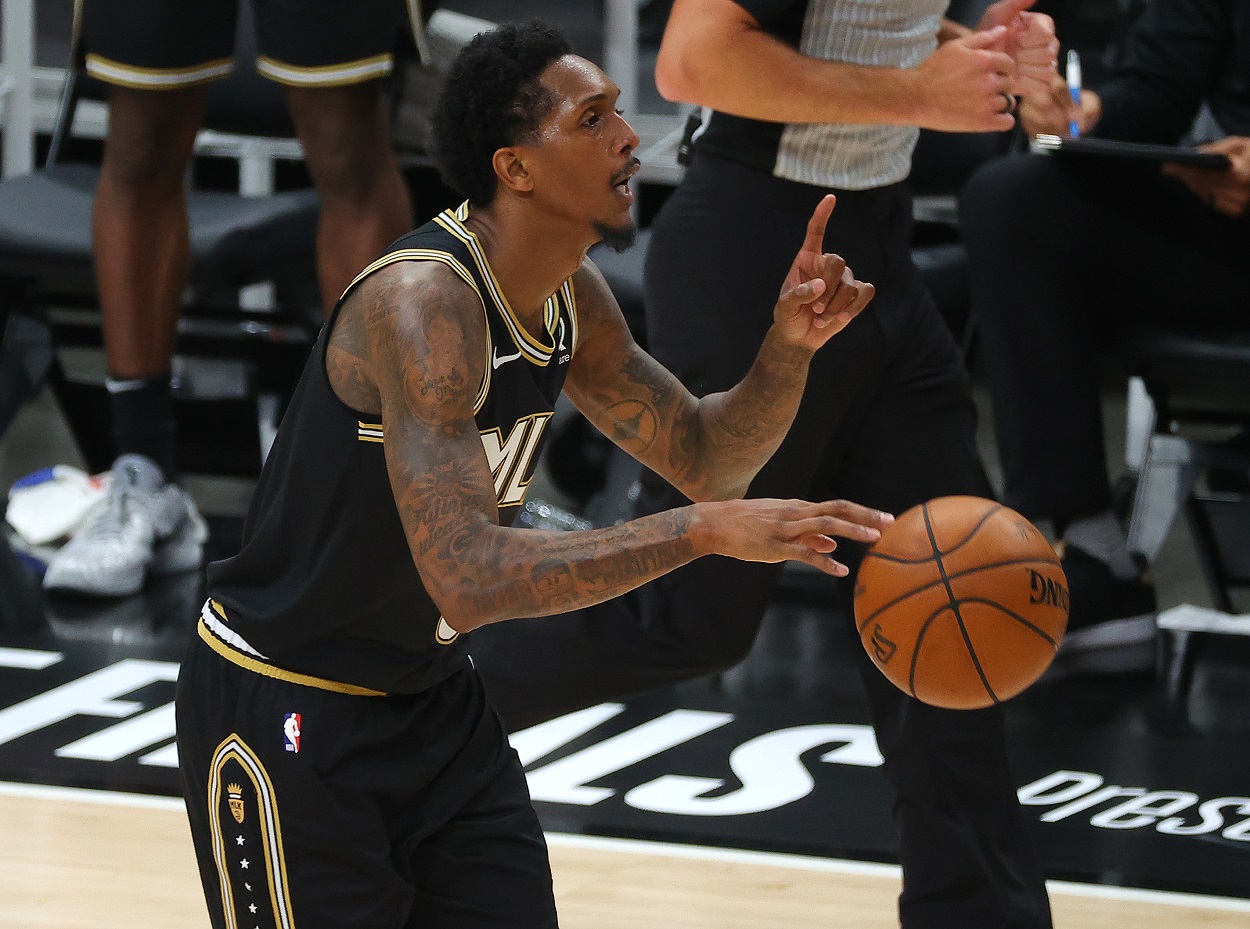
(710, 448)
(410, 343)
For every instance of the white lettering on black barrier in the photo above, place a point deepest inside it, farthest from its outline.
(1071, 792)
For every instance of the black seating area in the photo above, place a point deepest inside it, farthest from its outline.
(1197, 463)
(237, 241)
(236, 361)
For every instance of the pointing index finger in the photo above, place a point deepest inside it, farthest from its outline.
(815, 238)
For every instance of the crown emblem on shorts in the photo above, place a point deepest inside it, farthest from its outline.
(234, 796)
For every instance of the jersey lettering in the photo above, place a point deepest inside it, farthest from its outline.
(512, 461)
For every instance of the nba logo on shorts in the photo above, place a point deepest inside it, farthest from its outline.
(290, 732)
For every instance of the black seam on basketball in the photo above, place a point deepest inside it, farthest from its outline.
(895, 559)
(950, 595)
(958, 574)
(936, 551)
(973, 531)
(1014, 615)
(915, 652)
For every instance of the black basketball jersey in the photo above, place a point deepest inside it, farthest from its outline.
(324, 589)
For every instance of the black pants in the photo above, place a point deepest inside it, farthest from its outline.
(1061, 254)
(887, 420)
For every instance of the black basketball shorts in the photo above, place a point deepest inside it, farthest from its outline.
(319, 809)
(167, 44)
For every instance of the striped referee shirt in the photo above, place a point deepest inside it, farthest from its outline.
(884, 33)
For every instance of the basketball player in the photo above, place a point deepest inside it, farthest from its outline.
(158, 56)
(341, 763)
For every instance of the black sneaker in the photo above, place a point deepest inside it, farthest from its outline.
(1111, 628)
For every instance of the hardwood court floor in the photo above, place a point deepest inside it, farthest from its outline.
(93, 860)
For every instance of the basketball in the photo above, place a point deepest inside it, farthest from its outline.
(961, 603)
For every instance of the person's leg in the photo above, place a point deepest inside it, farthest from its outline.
(485, 865)
(888, 421)
(364, 201)
(140, 241)
(290, 836)
(156, 56)
(1041, 330)
(966, 856)
(1059, 254)
(331, 58)
(314, 808)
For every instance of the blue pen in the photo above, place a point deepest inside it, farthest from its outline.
(1074, 88)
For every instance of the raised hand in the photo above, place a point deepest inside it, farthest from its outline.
(820, 294)
(967, 85)
(784, 530)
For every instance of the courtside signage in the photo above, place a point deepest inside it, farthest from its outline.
(645, 768)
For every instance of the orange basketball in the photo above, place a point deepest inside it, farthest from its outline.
(961, 603)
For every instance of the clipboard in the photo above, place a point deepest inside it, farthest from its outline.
(1110, 148)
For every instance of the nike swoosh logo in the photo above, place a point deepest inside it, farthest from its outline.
(496, 359)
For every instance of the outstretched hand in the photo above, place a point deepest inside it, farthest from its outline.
(767, 530)
(820, 295)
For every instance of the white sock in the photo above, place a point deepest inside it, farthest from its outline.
(1102, 537)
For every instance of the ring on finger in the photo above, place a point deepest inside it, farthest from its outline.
(1010, 102)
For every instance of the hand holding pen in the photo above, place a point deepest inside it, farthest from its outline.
(1067, 109)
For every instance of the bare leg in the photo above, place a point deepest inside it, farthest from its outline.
(364, 200)
(140, 225)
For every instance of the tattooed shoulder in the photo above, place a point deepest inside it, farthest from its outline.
(405, 317)
(415, 326)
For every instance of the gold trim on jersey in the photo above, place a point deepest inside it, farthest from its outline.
(369, 432)
(233, 748)
(451, 261)
(248, 663)
(124, 75)
(570, 297)
(533, 350)
(415, 254)
(444, 638)
(338, 75)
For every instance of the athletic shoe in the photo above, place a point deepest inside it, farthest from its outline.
(143, 524)
(1111, 628)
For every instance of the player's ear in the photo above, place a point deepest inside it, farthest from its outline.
(512, 171)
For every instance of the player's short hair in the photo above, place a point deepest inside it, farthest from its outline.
(492, 99)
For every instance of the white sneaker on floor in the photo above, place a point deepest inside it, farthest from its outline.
(142, 524)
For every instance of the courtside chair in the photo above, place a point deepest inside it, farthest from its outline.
(251, 308)
(1194, 450)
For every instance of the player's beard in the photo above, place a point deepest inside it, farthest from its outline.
(617, 238)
